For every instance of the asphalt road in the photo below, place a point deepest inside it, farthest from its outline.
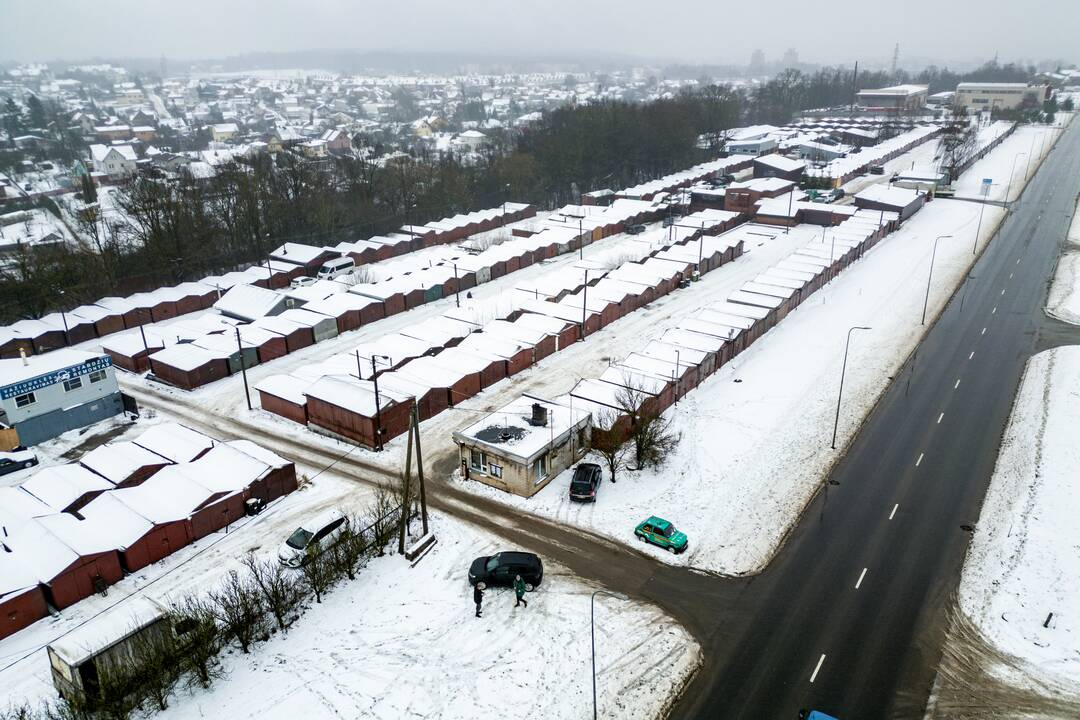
(850, 616)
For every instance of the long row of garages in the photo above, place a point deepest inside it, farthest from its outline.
(70, 531)
(665, 369)
(256, 325)
(365, 395)
(111, 315)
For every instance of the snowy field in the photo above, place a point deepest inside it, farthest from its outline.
(402, 641)
(1064, 300)
(1024, 560)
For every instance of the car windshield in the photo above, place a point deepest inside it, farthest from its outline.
(492, 563)
(580, 483)
(299, 539)
(666, 531)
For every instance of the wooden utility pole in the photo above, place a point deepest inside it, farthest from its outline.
(407, 485)
(420, 468)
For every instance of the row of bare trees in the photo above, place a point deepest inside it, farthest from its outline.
(248, 606)
(637, 430)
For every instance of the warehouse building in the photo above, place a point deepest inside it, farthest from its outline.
(46, 395)
(999, 96)
(895, 99)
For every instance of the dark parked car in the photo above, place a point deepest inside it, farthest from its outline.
(635, 229)
(877, 169)
(586, 482)
(17, 459)
(500, 569)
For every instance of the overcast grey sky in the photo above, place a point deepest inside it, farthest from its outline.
(712, 31)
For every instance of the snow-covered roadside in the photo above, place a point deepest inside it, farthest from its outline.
(1024, 560)
(1064, 300)
(755, 436)
(402, 641)
(1018, 156)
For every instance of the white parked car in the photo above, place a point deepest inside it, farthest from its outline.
(302, 281)
(312, 537)
(17, 459)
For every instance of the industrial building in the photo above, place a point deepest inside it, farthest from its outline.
(895, 99)
(999, 96)
(43, 396)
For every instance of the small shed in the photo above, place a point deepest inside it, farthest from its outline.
(175, 442)
(131, 350)
(296, 335)
(66, 488)
(22, 600)
(40, 336)
(239, 355)
(67, 574)
(280, 478)
(79, 329)
(227, 470)
(250, 302)
(344, 407)
(349, 310)
(189, 366)
(284, 395)
(105, 321)
(139, 541)
(904, 201)
(323, 327)
(123, 463)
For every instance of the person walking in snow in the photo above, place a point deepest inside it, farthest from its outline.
(519, 591)
(478, 597)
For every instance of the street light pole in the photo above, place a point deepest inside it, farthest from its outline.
(1008, 189)
(843, 370)
(933, 255)
(457, 301)
(581, 239)
(592, 634)
(978, 228)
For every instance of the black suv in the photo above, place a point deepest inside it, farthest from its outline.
(500, 569)
(586, 482)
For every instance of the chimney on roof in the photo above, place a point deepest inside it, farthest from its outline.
(22, 354)
(539, 415)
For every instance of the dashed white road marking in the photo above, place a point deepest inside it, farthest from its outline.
(817, 667)
(939, 418)
(994, 311)
(919, 461)
(957, 384)
(861, 576)
(894, 509)
(971, 355)
(1002, 291)
(983, 332)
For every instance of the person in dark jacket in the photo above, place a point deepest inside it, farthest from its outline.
(478, 597)
(519, 591)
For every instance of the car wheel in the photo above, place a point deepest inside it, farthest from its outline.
(641, 538)
(28, 464)
(671, 550)
(529, 587)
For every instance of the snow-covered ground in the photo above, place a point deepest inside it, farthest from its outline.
(1064, 300)
(753, 452)
(1018, 155)
(402, 641)
(1024, 560)
(755, 436)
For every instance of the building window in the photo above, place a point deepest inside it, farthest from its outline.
(478, 460)
(540, 469)
(97, 376)
(24, 400)
(495, 470)
(72, 384)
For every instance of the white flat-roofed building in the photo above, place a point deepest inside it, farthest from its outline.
(999, 96)
(897, 98)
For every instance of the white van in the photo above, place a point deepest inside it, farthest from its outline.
(333, 269)
(312, 537)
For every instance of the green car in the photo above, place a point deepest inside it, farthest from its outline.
(660, 532)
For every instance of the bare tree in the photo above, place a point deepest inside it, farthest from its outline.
(610, 443)
(649, 430)
(280, 592)
(318, 572)
(155, 666)
(238, 609)
(195, 624)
